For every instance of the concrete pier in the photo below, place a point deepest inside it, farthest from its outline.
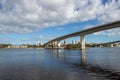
(111, 45)
(82, 38)
(64, 41)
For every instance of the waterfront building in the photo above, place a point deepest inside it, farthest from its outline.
(76, 42)
(73, 41)
(17, 46)
(38, 43)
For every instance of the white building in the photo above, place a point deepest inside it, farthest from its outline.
(38, 43)
(74, 42)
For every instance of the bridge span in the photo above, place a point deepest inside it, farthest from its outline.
(110, 44)
(82, 33)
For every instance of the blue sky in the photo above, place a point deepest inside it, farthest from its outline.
(29, 21)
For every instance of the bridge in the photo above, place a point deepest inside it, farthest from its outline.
(82, 33)
(109, 43)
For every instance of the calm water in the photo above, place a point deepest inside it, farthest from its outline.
(48, 64)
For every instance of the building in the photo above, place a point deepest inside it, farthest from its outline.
(38, 43)
(17, 46)
(74, 42)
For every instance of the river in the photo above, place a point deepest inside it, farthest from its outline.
(59, 64)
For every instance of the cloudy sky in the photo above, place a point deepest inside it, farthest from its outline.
(28, 21)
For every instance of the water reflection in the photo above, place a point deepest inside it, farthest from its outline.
(58, 53)
(65, 55)
(83, 57)
(73, 59)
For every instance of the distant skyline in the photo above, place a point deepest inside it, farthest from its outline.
(29, 21)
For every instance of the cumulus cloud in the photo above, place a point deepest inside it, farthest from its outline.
(25, 16)
(110, 11)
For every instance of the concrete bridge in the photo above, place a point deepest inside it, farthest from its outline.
(108, 43)
(111, 42)
(82, 33)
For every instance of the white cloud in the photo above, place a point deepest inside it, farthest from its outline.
(59, 28)
(89, 26)
(110, 12)
(25, 16)
(76, 27)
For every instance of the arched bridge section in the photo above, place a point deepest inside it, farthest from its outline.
(82, 33)
(111, 42)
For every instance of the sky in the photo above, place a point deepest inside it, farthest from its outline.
(29, 21)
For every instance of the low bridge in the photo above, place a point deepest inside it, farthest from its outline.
(82, 33)
(111, 42)
(108, 43)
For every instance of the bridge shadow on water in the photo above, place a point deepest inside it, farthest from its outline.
(102, 72)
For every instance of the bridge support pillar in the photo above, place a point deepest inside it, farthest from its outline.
(100, 45)
(46, 46)
(64, 41)
(58, 44)
(111, 45)
(54, 44)
(82, 38)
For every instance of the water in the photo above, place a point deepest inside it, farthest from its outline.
(48, 64)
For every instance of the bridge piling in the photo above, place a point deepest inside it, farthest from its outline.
(64, 41)
(82, 38)
(58, 44)
(111, 45)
